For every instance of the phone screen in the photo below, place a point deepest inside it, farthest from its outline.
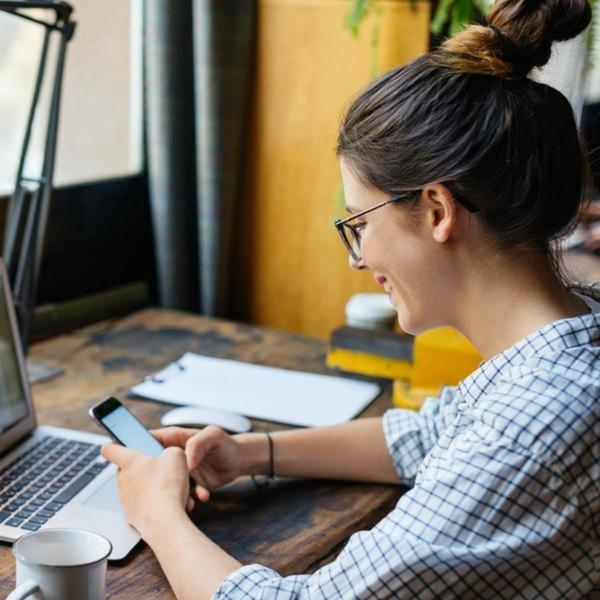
(126, 429)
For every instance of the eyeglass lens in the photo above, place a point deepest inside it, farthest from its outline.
(352, 241)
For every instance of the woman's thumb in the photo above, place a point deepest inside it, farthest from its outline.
(202, 493)
(194, 451)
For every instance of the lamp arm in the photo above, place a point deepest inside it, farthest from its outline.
(29, 204)
(62, 10)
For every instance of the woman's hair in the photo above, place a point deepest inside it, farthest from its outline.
(466, 115)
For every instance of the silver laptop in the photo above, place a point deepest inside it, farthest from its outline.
(49, 476)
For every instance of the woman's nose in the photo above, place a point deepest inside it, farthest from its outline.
(356, 264)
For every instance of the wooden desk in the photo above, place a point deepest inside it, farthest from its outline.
(294, 527)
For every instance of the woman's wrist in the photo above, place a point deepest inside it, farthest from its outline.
(254, 453)
(155, 526)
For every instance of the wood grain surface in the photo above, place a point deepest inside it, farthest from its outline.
(293, 269)
(293, 527)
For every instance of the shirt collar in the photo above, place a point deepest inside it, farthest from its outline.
(558, 335)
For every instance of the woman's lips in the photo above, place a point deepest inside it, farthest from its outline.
(381, 280)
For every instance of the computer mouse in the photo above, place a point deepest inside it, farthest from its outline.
(196, 416)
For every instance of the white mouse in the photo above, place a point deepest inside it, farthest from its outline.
(195, 416)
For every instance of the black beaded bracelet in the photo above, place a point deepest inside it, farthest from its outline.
(271, 475)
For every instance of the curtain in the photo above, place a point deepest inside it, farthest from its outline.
(198, 64)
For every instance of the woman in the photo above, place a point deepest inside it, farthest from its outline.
(458, 172)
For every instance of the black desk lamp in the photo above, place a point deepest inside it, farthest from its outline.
(28, 207)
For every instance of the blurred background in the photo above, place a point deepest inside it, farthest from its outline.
(195, 167)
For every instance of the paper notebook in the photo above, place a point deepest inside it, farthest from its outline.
(296, 398)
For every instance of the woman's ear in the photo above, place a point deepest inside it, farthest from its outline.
(440, 211)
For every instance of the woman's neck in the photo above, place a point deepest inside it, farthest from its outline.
(503, 304)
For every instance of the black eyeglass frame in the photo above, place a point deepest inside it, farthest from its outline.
(342, 224)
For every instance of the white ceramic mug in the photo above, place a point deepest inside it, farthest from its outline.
(61, 564)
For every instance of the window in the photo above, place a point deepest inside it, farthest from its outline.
(100, 131)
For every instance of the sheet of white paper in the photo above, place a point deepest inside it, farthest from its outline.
(296, 398)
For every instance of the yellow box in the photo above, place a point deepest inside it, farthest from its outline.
(442, 357)
(405, 396)
(368, 364)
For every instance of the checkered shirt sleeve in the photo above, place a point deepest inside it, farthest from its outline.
(505, 500)
(410, 435)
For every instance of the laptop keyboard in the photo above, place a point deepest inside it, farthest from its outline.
(37, 484)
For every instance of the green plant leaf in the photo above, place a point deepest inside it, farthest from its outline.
(457, 13)
(359, 9)
(459, 16)
(442, 14)
(482, 6)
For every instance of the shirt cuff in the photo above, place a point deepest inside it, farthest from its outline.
(246, 582)
(402, 436)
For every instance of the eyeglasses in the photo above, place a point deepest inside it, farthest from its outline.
(350, 233)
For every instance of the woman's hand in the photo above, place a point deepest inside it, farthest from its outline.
(150, 488)
(214, 458)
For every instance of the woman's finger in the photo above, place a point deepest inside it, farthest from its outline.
(120, 455)
(201, 487)
(198, 445)
(202, 493)
(173, 436)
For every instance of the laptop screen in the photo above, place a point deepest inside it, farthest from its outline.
(13, 402)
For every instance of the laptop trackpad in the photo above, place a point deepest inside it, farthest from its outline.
(106, 497)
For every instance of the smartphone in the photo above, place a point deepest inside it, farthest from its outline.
(124, 428)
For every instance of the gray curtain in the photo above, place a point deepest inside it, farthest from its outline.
(198, 65)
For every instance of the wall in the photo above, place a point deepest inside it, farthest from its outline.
(293, 271)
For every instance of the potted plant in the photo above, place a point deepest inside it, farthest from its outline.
(450, 16)
(568, 65)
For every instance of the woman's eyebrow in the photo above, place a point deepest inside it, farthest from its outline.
(350, 209)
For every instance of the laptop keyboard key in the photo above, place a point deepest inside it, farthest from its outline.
(46, 476)
(74, 488)
(38, 520)
(30, 526)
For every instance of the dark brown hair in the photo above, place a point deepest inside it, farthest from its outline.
(466, 115)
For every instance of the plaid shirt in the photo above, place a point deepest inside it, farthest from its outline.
(505, 472)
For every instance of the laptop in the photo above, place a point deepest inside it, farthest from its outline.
(49, 476)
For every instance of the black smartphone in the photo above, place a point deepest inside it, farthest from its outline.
(124, 428)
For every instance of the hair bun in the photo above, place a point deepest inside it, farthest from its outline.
(519, 37)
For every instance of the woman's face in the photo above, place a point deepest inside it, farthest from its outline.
(403, 253)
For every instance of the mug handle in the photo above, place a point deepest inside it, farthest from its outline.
(24, 590)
